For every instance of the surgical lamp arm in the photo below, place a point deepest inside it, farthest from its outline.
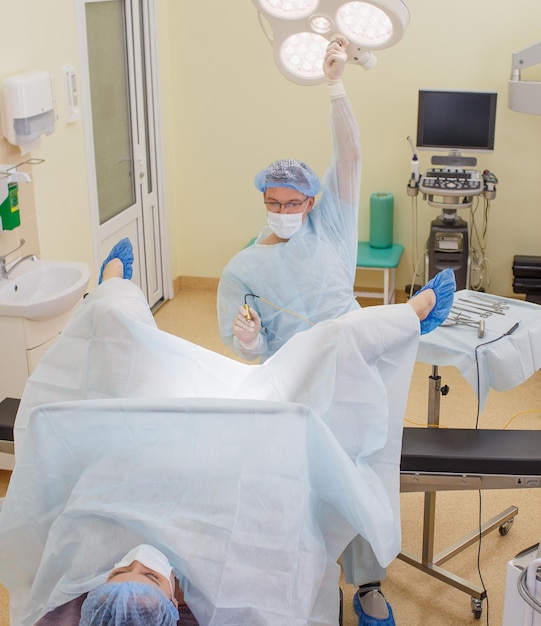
(525, 95)
(525, 58)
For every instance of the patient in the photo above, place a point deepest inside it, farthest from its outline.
(140, 590)
(353, 372)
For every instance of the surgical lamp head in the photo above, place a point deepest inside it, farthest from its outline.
(300, 30)
(288, 173)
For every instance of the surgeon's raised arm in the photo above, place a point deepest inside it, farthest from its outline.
(343, 175)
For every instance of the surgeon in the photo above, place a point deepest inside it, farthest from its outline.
(301, 269)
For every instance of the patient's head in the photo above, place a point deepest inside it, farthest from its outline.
(138, 591)
(145, 564)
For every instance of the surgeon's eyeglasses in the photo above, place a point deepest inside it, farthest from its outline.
(290, 207)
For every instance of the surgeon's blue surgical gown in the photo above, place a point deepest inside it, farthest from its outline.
(310, 277)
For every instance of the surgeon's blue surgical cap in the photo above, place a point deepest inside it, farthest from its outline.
(288, 173)
(128, 604)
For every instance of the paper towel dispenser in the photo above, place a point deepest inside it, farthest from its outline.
(27, 109)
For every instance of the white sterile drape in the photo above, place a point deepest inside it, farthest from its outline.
(211, 460)
(497, 360)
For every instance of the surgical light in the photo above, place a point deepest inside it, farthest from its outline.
(300, 30)
(302, 54)
(320, 24)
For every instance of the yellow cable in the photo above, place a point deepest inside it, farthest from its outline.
(408, 421)
(424, 425)
(519, 414)
(286, 310)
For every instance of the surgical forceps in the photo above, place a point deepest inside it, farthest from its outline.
(480, 312)
(501, 304)
(459, 319)
(480, 302)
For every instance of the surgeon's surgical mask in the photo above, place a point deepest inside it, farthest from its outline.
(150, 557)
(285, 225)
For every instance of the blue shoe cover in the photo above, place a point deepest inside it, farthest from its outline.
(122, 250)
(368, 620)
(444, 286)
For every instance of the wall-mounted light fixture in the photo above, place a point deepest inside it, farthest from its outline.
(300, 30)
(525, 95)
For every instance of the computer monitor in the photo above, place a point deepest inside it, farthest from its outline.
(456, 121)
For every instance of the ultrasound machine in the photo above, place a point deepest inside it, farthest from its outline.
(455, 122)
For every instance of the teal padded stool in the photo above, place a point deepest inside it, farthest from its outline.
(383, 259)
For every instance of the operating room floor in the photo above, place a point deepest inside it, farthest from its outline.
(417, 599)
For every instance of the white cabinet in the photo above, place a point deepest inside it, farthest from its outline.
(23, 342)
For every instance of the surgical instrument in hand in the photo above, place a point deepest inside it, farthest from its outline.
(247, 313)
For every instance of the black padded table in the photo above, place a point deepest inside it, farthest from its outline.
(439, 459)
(8, 411)
(497, 459)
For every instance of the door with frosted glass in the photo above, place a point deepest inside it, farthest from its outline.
(120, 61)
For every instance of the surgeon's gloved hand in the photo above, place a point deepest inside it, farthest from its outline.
(335, 59)
(444, 286)
(122, 250)
(247, 330)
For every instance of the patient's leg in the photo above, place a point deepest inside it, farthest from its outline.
(123, 251)
(441, 290)
(113, 269)
(423, 303)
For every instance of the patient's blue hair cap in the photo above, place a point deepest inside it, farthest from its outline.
(288, 173)
(133, 603)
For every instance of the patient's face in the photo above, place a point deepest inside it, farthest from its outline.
(137, 572)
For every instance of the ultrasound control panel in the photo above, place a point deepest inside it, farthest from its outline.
(451, 182)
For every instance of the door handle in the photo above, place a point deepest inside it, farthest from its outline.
(141, 167)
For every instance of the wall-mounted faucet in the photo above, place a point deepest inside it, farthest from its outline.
(4, 272)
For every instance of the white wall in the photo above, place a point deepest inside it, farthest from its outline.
(42, 36)
(236, 113)
(228, 112)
